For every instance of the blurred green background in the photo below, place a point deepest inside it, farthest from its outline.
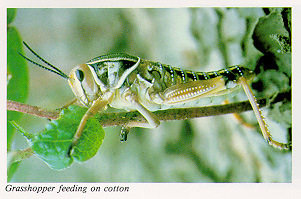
(212, 149)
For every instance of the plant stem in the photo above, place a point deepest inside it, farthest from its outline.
(120, 118)
(31, 110)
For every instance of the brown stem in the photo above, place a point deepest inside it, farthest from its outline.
(118, 119)
(31, 110)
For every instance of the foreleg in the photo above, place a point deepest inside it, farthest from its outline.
(97, 105)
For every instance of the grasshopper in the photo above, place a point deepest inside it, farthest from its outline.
(127, 82)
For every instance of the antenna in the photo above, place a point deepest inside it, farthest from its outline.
(54, 69)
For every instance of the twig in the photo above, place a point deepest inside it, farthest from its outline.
(120, 118)
(31, 110)
(22, 155)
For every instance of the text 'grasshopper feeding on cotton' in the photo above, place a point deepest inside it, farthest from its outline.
(127, 82)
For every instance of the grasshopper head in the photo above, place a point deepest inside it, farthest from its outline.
(83, 85)
(80, 79)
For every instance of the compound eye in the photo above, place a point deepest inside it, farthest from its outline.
(80, 75)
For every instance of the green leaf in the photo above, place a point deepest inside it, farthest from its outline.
(272, 36)
(12, 170)
(267, 33)
(11, 13)
(14, 159)
(274, 82)
(90, 141)
(17, 87)
(52, 144)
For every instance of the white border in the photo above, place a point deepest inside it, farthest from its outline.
(165, 190)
